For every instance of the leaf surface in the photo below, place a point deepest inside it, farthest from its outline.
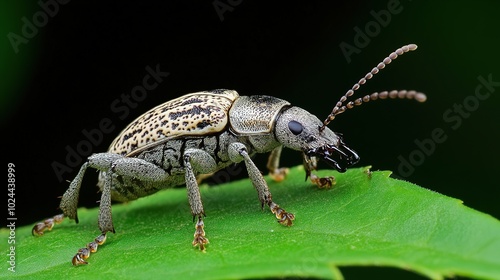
(365, 219)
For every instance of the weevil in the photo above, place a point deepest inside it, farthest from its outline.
(203, 132)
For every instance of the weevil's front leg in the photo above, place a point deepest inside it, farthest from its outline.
(237, 153)
(310, 164)
(275, 172)
(201, 162)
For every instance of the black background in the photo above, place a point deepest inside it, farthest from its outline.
(64, 80)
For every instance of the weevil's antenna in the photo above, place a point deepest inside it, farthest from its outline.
(340, 108)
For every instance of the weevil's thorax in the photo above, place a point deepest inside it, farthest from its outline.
(298, 129)
(254, 118)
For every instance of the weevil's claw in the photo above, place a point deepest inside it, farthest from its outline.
(199, 235)
(323, 182)
(81, 256)
(284, 218)
(48, 224)
(38, 229)
(84, 253)
(200, 241)
(279, 174)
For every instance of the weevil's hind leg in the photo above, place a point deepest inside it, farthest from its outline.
(69, 201)
(199, 161)
(310, 164)
(84, 253)
(237, 153)
(275, 172)
(113, 164)
(105, 224)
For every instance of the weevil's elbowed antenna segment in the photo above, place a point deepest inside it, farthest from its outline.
(411, 94)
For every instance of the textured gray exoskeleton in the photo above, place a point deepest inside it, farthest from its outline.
(203, 132)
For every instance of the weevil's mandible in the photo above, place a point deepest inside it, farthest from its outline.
(200, 133)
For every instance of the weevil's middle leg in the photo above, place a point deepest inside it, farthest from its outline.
(238, 152)
(275, 172)
(310, 164)
(200, 161)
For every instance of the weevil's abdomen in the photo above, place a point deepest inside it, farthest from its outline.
(168, 156)
(195, 114)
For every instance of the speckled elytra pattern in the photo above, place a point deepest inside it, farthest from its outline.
(195, 114)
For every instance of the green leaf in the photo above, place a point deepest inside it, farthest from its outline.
(366, 219)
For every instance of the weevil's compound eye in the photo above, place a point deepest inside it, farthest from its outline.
(295, 127)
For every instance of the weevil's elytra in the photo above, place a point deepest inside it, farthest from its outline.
(203, 132)
(195, 114)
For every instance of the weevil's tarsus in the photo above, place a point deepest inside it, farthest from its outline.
(285, 218)
(47, 224)
(84, 253)
(310, 164)
(340, 107)
(323, 182)
(199, 234)
(279, 174)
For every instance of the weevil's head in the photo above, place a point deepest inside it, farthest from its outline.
(299, 130)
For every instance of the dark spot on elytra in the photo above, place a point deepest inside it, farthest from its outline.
(203, 124)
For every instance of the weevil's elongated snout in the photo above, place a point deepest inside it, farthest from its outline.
(339, 157)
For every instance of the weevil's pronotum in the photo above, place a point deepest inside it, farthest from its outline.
(203, 132)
